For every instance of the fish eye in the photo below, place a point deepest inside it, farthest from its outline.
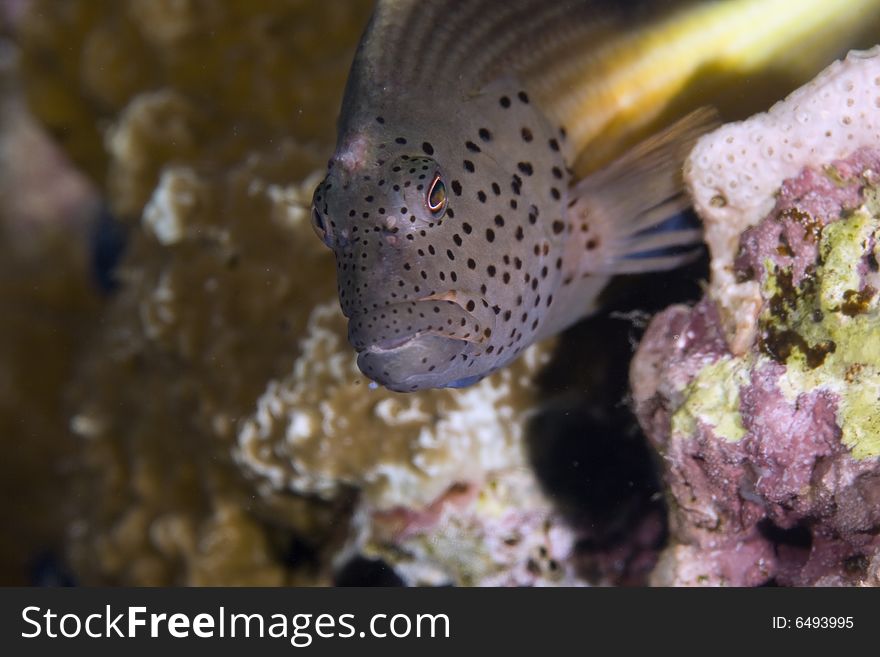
(319, 225)
(436, 197)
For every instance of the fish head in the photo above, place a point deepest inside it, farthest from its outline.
(445, 267)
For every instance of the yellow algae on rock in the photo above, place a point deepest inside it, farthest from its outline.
(713, 398)
(849, 312)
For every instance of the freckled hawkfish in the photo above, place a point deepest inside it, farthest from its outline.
(499, 160)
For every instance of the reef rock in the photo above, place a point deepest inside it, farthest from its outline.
(763, 398)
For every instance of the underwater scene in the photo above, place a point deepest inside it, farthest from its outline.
(435, 293)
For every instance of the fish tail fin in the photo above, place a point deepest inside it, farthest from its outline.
(626, 218)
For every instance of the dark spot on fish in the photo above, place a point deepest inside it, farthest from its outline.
(485, 135)
(499, 221)
(526, 168)
(401, 141)
(469, 166)
(428, 148)
(504, 101)
(456, 187)
(472, 147)
(490, 235)
(527, 135)
(558, 227)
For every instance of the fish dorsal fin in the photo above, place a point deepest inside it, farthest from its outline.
(422, 45)
(610, 71)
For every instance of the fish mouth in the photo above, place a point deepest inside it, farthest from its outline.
(453, 314)
(391, 344)
(420, 361)
(411, 345)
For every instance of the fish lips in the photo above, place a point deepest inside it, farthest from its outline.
(417, 362)
(411, 345)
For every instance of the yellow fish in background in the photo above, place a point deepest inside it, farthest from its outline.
(474, 202)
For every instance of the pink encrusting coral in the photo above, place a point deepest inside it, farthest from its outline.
(769, 424)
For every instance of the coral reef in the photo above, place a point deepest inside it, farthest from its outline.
(211, 415)
(762, 398)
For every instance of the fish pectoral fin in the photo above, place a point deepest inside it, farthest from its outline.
(627, 217)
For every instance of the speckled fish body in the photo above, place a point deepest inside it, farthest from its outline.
(473, 204)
